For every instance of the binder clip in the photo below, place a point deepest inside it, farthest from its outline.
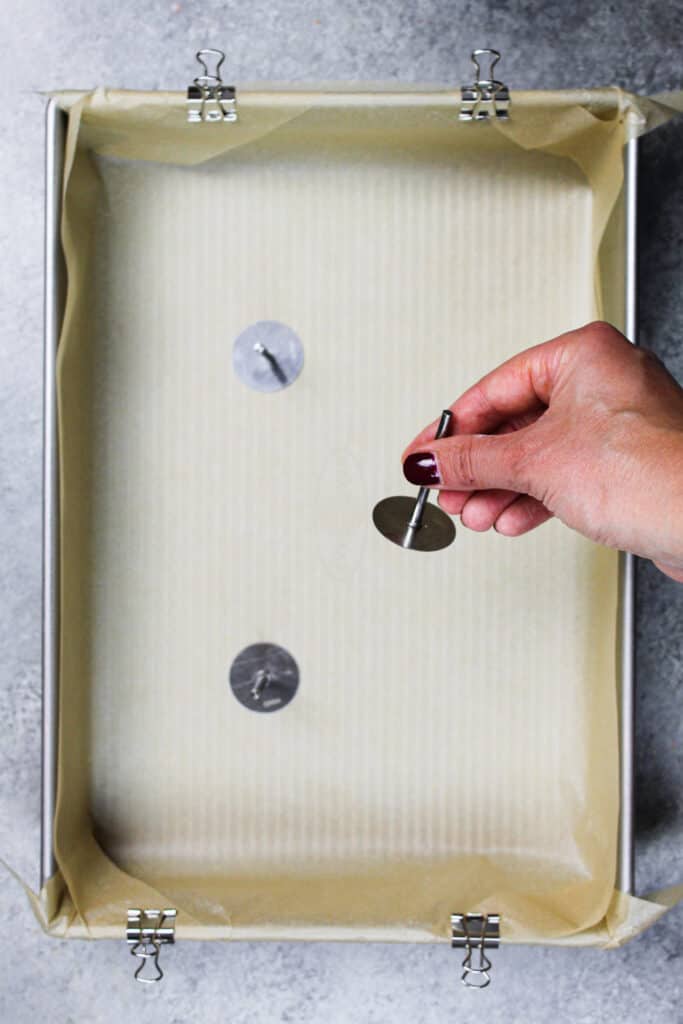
(474, 933)
(486, 97)
(208, 99)
(146, 932)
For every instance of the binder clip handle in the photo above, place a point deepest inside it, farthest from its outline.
(209, 58)
(492, 56)
(476, 933)
(146, 932)
(147, 951)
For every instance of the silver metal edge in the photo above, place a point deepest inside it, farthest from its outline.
(626, 866)
(54, 149)
(55, 137)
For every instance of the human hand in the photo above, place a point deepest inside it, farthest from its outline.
(584, 427)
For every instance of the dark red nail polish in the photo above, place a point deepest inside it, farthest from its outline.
(421, 468)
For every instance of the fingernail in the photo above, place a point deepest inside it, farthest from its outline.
(421, 468)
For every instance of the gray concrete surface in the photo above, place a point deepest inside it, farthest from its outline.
(148, 44)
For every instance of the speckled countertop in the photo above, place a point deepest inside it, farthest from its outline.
(75, 43)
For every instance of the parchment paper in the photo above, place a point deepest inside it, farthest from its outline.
(453, 746)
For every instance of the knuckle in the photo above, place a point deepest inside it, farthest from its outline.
(480, 399)
(602, 335)
(604, 338)
(461, 461)
(600, 328)
(511, 461)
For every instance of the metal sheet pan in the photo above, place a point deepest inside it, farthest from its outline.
(54, 299)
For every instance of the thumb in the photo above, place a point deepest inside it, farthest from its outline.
(471, 462)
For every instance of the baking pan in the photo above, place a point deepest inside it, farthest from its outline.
(466, 923)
